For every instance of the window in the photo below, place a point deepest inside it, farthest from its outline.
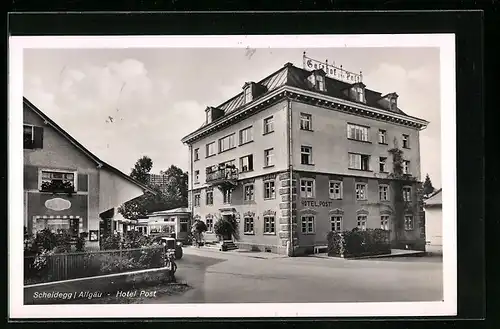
(209, 198)
(246, 163)
(209, 116)
(197, 199)
(406, 167)
(268, 157)
(268, 125)
(226, 143)
(196, 154)
(406, 141)
(306, 155)
(384, 222)
(335, 190)
(383, 164)
(210, 224)
(307, 188)
(407, 193)
(356, 132)
(59, 225)
(362, 222)
(320, 81)
(336, 223)
(383, 192)
(227, 195)
(248, 191)
(359, 161)
(269, 190)
(248, 225)
(361, 94)
(248, 94)
(307, 224)
(32, 137)
(210, 149)
(408, 222)
(360, 191)
(184, 225)
(57, 181)
(246, 135)
(269, 225)
(382, 136)
(196, 176)
(305, 121)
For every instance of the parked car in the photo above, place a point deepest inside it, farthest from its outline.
(172, 245)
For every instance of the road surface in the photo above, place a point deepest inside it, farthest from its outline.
(232, 277)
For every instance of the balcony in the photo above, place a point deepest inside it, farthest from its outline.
(222, 176)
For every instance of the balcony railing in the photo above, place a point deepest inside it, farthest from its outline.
(225, 175)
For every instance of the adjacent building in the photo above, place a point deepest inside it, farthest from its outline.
(433, 206)
(299, 154)
(66, 187)
(169, 222)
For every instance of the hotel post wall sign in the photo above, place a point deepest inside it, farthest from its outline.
(317, 204)
(57, 204)
(331, 71)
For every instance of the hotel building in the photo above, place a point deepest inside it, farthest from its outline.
(301, 153)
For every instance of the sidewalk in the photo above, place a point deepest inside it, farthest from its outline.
(394, 253)
(191, 250)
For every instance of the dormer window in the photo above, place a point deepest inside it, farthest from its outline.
(213, 114)
(390, 102)
(393, 101)
(317, 80)
(248, 94)
(209, 116)
(360, 93)
(320, 83)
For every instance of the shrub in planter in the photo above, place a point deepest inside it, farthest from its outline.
(227, 228)
(358, 243)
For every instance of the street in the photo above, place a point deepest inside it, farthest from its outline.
(233, 277)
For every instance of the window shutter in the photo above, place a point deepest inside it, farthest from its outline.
(30, 177)
(37, 137)
(83, 182)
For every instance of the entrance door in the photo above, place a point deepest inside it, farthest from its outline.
(229, 219)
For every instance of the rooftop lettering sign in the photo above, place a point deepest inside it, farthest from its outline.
(331, 70)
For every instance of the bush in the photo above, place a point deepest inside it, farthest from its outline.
(226, 228)
(111, 242)
(358, 243)
(130, 260)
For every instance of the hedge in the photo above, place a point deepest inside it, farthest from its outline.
(358, 243)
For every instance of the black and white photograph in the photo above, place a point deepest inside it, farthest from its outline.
(276, 175)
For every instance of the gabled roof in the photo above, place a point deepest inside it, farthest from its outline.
(100, 163)
(434, 199)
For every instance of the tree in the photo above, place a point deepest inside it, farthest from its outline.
(199, 227)
(428, 188)
(174, 195)
(141, 170)
(176, 191)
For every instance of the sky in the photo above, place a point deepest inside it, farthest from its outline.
(157, 96)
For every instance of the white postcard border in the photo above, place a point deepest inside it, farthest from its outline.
(446, 43)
